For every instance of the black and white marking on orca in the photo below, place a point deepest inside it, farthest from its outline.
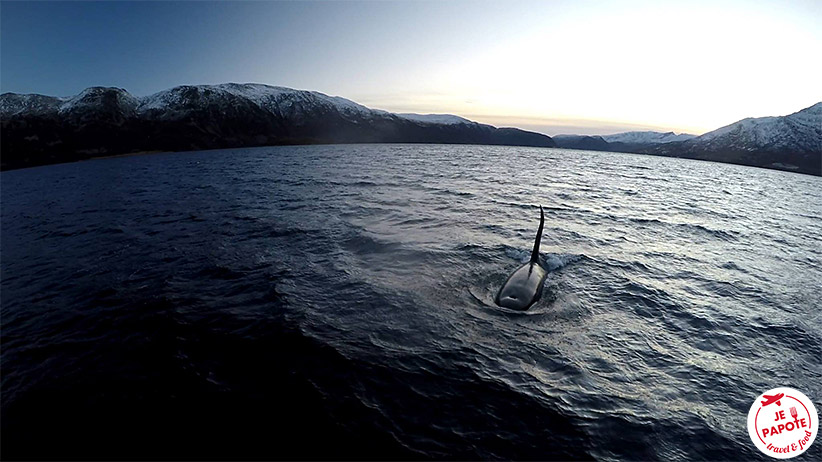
(524, 287)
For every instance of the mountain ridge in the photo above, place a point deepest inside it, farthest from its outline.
(791, 142)
(650, 137)
(101, 121)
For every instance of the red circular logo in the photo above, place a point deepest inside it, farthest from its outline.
(782, 423)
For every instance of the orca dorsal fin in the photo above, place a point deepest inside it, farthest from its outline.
(535, 252)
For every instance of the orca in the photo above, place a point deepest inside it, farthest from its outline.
(524, 287)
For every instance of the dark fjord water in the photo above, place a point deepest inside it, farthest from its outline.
(337, 301)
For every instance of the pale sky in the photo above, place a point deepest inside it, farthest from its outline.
(550, 66)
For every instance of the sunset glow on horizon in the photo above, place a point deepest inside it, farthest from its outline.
(552, 67)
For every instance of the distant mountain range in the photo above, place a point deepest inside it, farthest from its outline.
(628, 141)
(792, 142)
(100, 121)
(38, 129)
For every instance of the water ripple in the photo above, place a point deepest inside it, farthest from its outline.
(225, 307)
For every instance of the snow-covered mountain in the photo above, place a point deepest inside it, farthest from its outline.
(627, 141)
(588, 142)
(445, 119)
(791, 142)
(12, 104)
(276, 100)
(800, 131)
(41, 129)
(171, 102)
(647, 137)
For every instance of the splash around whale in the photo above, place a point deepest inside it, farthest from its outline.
(524, 287)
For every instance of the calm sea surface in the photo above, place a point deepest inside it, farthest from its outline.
(337, 301)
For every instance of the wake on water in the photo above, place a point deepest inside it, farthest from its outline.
(484, 292)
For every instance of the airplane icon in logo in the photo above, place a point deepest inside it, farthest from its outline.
(772, 399)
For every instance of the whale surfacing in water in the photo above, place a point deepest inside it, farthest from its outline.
(524, 286)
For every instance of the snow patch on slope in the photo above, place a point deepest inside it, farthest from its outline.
(278, 100)
(282, 101)
(444, 119)
(647, 137)
(800, 130)
(12, 104)
(94, 97)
